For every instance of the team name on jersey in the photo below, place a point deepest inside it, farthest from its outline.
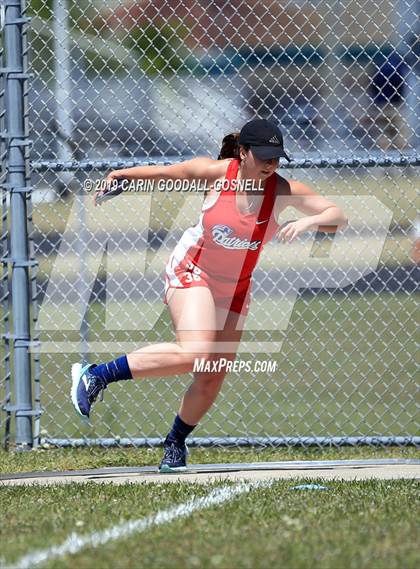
(222, 235)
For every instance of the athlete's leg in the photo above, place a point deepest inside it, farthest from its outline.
(194, 317)
(203, 391)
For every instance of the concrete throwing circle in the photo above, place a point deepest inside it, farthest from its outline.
(382, 469)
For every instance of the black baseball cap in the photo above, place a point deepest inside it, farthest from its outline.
(264, 138)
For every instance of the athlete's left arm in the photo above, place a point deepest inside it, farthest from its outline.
(320, 214)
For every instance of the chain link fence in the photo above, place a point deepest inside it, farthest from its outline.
(122, 83)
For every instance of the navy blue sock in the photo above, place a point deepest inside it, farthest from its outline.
(113, 371)
(179, 431)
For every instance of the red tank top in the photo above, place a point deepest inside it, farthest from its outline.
(226, 244)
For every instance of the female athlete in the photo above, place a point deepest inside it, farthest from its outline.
(208, 275)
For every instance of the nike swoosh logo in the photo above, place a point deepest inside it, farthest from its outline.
(258, 222)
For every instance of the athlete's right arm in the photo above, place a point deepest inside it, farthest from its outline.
(204, 169)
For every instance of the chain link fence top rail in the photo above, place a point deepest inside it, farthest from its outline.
(122, 83)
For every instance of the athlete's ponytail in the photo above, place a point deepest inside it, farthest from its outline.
(230, 147)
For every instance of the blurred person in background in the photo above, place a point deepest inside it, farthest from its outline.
(385, 122)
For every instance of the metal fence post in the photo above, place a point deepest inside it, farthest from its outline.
(16, 141)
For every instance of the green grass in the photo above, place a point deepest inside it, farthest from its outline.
(345, 365)
(370, 524)
(95, 457)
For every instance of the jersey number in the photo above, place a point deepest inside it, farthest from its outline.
(194, 275)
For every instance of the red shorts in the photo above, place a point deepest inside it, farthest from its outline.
(231, 296)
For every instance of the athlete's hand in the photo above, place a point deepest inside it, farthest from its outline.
(109, 180)
(291, 229)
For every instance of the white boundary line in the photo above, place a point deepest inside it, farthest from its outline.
(75, 543)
